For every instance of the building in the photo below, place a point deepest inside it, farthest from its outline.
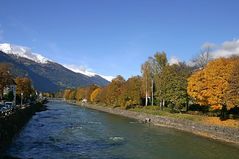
(11, 87)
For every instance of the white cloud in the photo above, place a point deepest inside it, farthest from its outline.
(226, 49)
(80, 69)
(86, 71)
(207, 45)
(173, 60)
(108, 78)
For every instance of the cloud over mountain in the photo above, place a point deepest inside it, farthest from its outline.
(86, 71)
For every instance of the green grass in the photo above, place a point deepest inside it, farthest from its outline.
(155, 110)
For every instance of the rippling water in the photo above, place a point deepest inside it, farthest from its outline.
(67, 131)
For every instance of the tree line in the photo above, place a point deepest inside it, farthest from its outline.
(208, 84)
(24, 87)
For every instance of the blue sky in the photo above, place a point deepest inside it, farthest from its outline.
(114, 37)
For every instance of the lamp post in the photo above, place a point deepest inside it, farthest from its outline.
(21, 98)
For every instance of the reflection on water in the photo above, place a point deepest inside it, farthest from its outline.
(66, 131)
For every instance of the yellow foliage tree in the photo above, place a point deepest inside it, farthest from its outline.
(113, 91)
(24, 85)
(94, 94)
(66, 94)
(80, 94)
(217, 84)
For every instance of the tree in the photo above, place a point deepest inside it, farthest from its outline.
(203, 58)
(94, 94)
(80, 94)
(66, 94)
(9, 96)
(131, 92)
(151, 71)
(85, 92)
(147, 78)
(174, 84)
(160, 62)
(5, 77)
(217, 84)
(101, 97)
(72, 94)
(89, 90)
(24, 86)
(197, 87)
(113, 91)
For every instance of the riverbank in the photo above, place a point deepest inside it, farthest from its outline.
(11, 125)
(222, 133)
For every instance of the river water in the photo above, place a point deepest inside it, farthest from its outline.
(68, 131)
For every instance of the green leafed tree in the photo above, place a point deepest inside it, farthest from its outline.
(174, 85)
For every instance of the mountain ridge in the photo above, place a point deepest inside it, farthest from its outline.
(50, 76)
(26, 52)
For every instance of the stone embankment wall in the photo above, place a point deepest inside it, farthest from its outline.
(11, 124)
(211, 131)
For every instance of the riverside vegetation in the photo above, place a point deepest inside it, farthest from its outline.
(206, 92)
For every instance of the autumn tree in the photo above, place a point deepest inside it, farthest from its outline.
(217, 84)
(95, 94)
(101, 96)
(197, 87)
(72, 94)
(80, 94)
(131, 92)
(24, 87)
(85, 92)
(66, 94)
(113, 91)
(89, 90)
(5, 77)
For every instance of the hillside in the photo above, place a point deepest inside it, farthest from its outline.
(49, 76)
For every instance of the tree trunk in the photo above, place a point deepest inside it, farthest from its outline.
(163, 104)
(160, 104)
(146, 98)
(146, 93)
(223, 115)
(187, 106)
(152, 92)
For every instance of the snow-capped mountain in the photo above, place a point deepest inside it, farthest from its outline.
(46, 75)
(85, 71)
(23, 51)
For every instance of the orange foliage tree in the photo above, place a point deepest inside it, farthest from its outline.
(24, 85)
(94, 94)
(113, 91)
(217, 85)
(131, 94)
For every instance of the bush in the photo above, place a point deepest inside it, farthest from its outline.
(197, 107)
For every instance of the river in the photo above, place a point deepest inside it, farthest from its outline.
(68, 131)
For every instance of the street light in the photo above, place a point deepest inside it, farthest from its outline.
(21, 98)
